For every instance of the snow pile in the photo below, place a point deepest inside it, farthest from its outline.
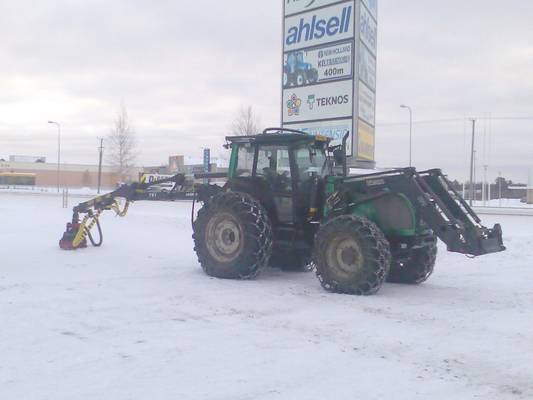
(137, 319)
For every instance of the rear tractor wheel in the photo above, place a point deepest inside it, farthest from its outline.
(232, 236)
(351, 256)
(418, 268)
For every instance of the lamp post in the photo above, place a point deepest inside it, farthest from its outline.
(410, 133)
(58, 152)
(472, 164)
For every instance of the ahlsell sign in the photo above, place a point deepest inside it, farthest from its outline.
(329, 71)
(321, 26)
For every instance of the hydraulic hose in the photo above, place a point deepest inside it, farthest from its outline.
(100, 234)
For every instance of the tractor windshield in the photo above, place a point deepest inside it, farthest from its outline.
(310, 159)
(273, 165)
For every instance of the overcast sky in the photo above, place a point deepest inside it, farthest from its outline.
(184, 68)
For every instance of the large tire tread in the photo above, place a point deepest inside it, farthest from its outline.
(376, 251)
(257, 231)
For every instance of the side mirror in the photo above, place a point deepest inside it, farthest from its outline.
(338, 156)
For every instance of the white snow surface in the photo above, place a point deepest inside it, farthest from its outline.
(50, 191)
(138, 319)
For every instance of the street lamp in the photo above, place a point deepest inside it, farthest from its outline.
(58, 152)
(410, 134)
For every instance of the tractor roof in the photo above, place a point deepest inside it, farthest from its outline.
(278, 138)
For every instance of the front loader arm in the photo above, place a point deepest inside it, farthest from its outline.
(79, 229)
(440, 207)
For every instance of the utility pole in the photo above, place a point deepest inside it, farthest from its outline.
(485, 168)
(472, 184)
(101, 152)
(475, 175)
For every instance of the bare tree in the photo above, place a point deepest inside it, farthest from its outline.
(246, 122)
(121, 152)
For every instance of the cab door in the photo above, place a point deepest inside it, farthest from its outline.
(274, 167)
(310, 168)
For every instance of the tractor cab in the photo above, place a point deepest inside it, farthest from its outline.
(283, 169)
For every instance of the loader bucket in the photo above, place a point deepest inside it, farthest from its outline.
(460, 227)
(489, 241)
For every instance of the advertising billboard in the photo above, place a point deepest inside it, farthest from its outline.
(372, 6)
(317, 65)
(329, 71)
(365, 141)
(369, 30)
(317, 102)
(367, 104)
(298, 6)
(321, 26)
(333, 129)
(367, 67)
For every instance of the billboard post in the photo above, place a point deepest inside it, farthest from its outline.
(329, 72)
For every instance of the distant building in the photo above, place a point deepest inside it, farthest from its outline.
(72, 175)
(530, 187)
(176, 163)
(27, 159)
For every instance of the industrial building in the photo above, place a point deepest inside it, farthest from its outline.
(71, 175)
(35, 171)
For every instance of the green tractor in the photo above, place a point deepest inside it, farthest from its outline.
(289, 202)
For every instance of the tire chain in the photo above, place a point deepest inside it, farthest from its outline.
(379, 248)
(252, 214)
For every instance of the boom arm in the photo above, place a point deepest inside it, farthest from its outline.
(440, 207)
(77, 231)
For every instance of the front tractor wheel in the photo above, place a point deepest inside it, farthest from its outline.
(351, 256)
(232, 236)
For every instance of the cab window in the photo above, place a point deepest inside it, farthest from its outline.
(245, 161)
(274, 167)
(310, 160)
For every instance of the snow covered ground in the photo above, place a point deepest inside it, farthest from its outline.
(509, 203)
(50, 191)
(137, 319)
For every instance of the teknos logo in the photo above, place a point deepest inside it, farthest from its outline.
(325, 25)
(329, 101)
(293, 105)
